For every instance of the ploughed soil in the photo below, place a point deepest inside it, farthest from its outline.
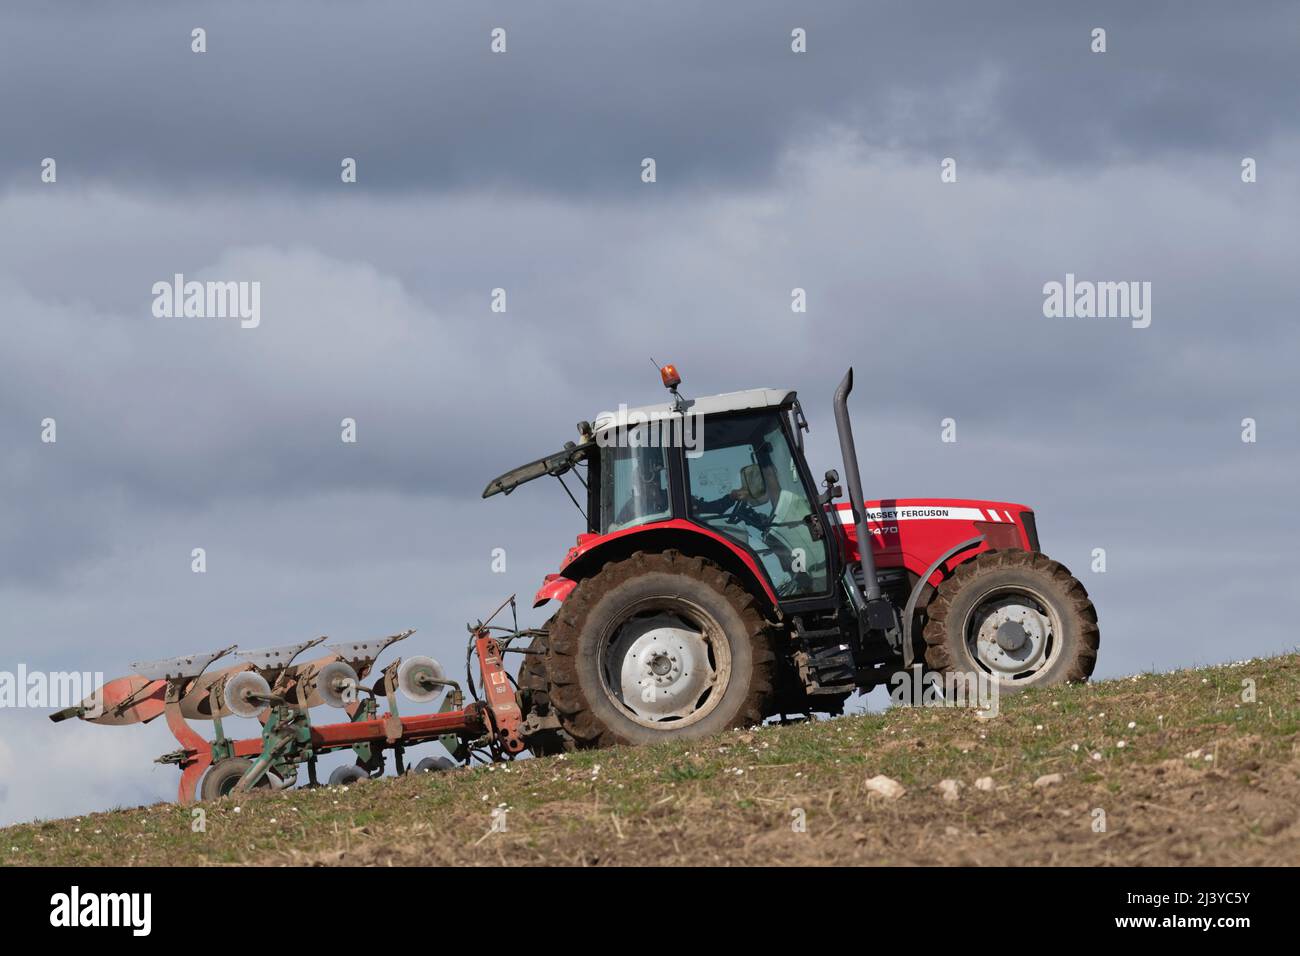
(1196, 767)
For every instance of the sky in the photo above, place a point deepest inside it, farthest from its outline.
(522, 170)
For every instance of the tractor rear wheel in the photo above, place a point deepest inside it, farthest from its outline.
(535, 701)
(1014, 615)
(660, 646)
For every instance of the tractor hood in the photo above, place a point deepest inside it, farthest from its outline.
(556, 464)
(924, 527)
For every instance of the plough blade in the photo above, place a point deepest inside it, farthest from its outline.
(276, 658)
(359, 655)
(362, 654)
(126, 700)
(199, 702)
(178, 668)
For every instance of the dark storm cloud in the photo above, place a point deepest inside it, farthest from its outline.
(938, 303)
(588, 89)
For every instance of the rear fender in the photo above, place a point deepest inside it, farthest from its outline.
(555, 587)
(593, 552)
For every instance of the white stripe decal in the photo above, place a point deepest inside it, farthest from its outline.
(881, 515)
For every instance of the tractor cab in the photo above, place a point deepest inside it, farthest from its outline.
(728, 468)
(731, 466)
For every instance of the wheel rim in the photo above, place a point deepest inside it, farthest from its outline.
(665, 665)
(1013, 633)
(226, 784)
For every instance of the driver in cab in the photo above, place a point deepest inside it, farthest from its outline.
(777, 533)
(739, 497)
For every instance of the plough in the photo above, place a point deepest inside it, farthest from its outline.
(271, 686)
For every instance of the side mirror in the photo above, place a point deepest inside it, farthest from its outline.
(751, 479)
(833, 490)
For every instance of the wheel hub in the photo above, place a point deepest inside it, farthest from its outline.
(1011, 634)
(661, 668)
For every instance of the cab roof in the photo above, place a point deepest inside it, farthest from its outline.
(706, 405)
(562, 461)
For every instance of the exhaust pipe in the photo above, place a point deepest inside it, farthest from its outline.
(850, 455)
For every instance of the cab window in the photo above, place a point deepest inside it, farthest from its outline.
(633, 487)
(746, 486)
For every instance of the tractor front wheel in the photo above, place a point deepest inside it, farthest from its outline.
(1017, 616)
(660, 646)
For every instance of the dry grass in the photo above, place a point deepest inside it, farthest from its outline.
(1183, 770)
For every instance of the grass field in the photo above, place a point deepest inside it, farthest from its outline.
(1154, 769)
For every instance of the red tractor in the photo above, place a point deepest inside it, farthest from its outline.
(717, 586)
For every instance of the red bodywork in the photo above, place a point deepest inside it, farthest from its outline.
(913, 532)
(906, 532)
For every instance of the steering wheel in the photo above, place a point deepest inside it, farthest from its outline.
(742, 512)
(735, 514)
